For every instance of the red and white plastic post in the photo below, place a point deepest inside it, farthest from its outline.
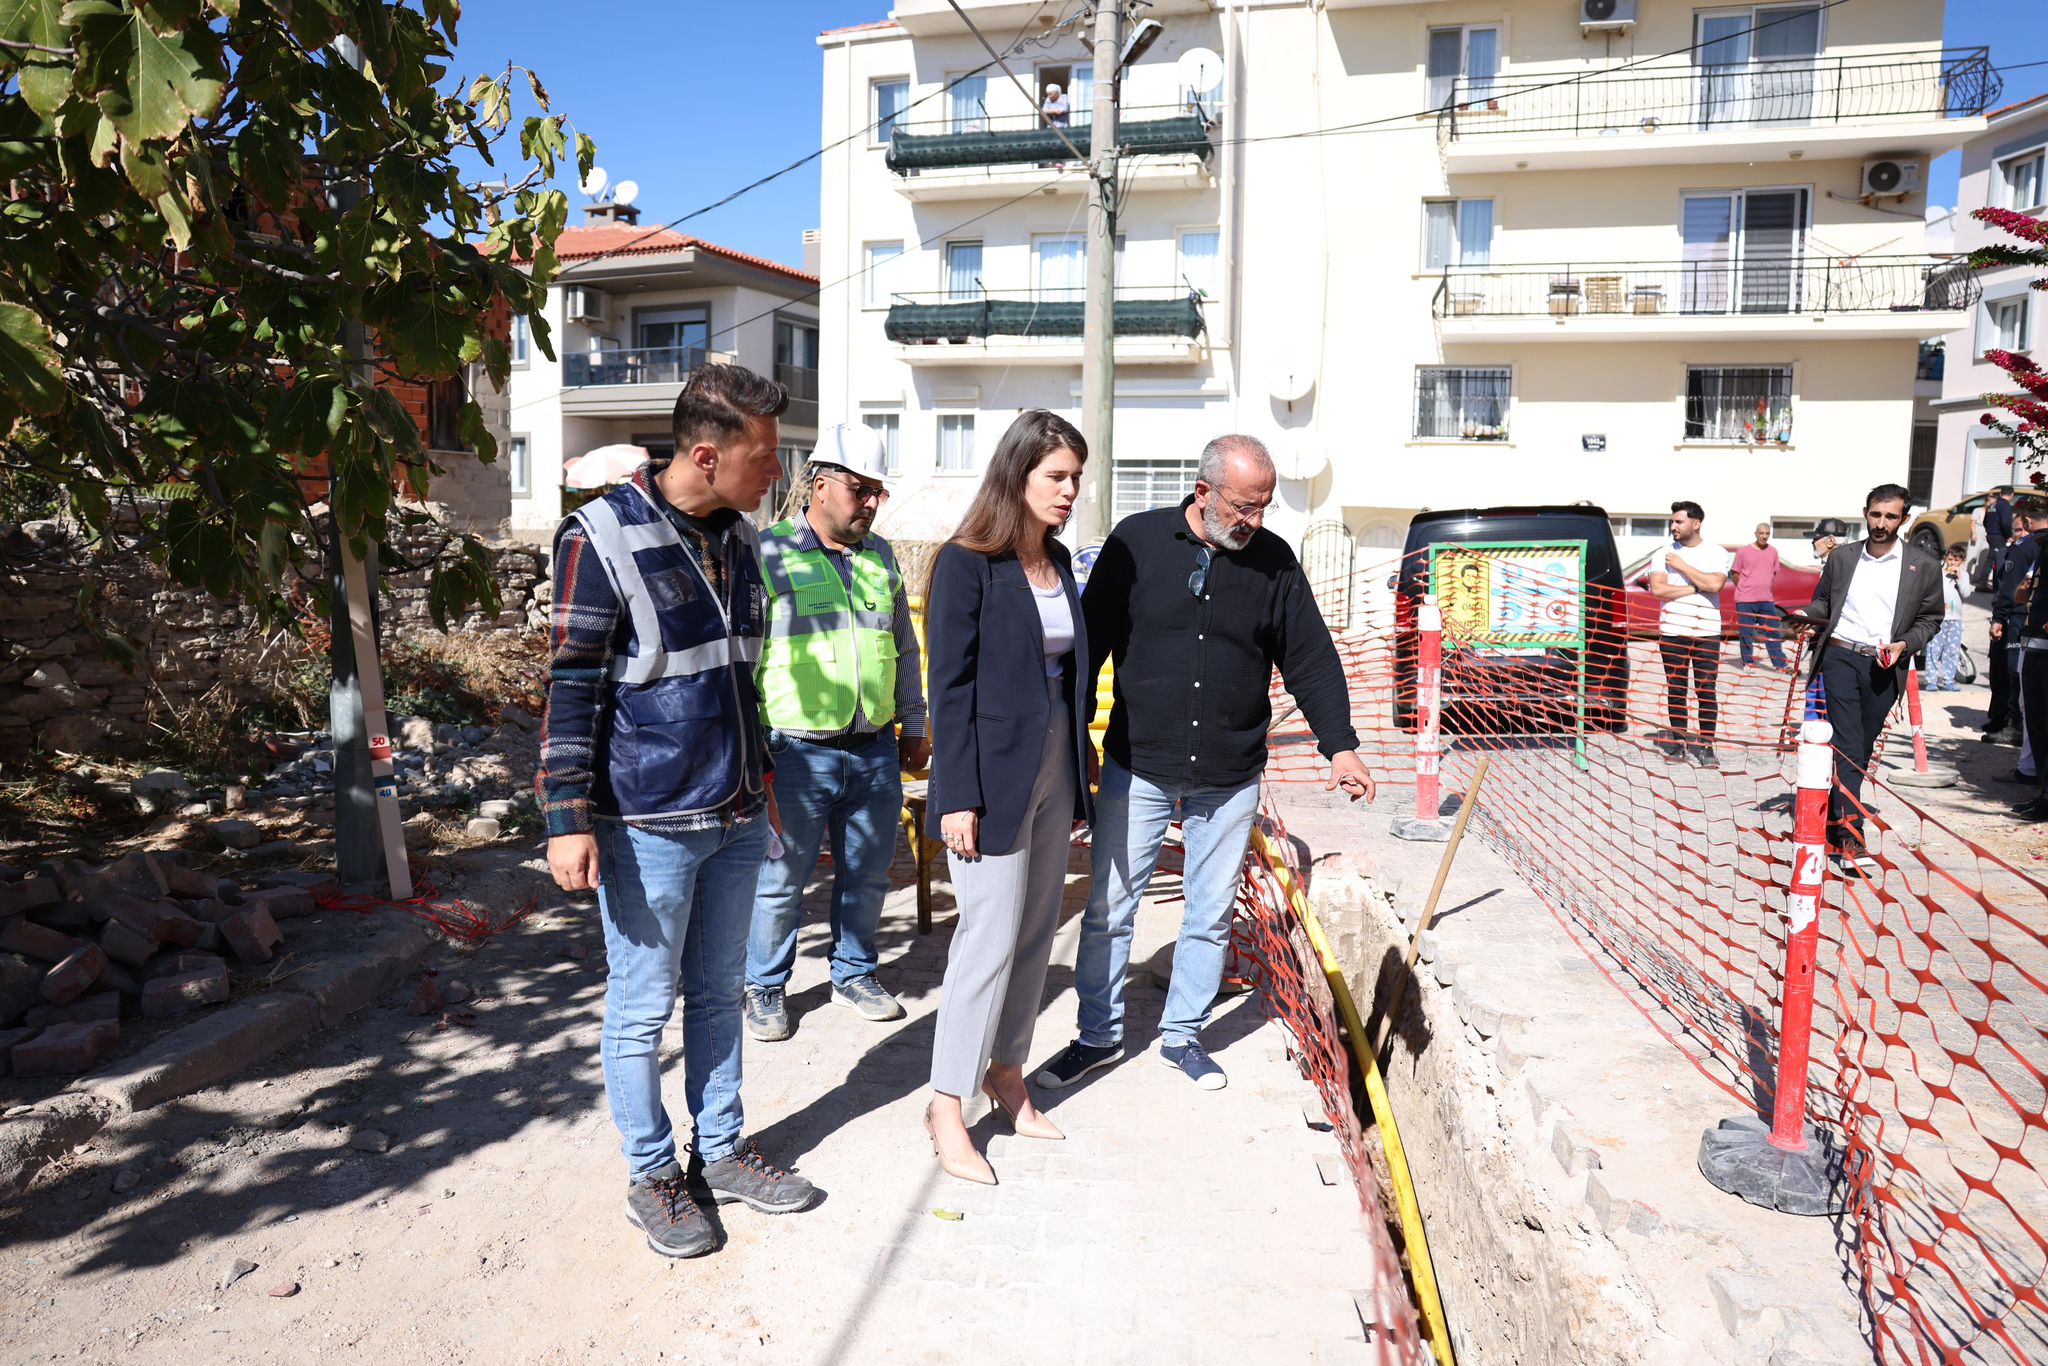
(1802, 931)
(1786, 1166)
(1427, 824)
(1923, 774)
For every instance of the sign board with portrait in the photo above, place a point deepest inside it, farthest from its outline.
(1507, 599)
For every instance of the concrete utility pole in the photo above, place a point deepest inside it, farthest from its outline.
(1098, 346)
(367, 831)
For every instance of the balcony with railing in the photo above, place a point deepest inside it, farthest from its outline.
(1022, 326)
(1913, 103)
(802, 383)
(1734, 299)
(629, 382)
(971, 154)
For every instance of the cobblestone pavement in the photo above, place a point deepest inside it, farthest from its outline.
(1173, 1225)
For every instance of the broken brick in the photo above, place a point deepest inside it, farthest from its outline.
(18, 934)
(177, 964)
(21, 986)
(63, 1049)
(164, 996)
(252, 934)
(97, 1005)
(426, 1000)
(72, 917)
(118, 977)
(283, 903)
(67, 981)
(8, 1039)
(159, 920)
(188, 884)
(28, 895)
(125, 945)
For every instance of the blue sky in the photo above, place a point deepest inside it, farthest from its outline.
(694, 98)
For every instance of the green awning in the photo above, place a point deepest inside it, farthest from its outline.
(998, 317)
(911, 151)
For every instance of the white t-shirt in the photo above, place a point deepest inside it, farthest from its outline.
(1056, 619)
(1695, 614)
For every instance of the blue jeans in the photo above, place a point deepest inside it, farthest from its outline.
(1945, 654)
(1131, 817)
(1759, 621)
(856, 796)
(676, 909)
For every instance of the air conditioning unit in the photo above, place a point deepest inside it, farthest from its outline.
(585, 304)
(1602, 15)
(1890, 178)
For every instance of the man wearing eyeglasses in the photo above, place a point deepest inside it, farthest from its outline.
(840, 691)
(1196, 604)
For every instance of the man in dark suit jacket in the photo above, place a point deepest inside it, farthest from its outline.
(1877, 605)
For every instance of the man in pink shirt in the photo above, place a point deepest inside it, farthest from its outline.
(1756, 612)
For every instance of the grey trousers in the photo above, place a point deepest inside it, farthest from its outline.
(1009, 906)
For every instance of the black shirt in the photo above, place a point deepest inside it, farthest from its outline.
(1192, 674)
(2015, 562)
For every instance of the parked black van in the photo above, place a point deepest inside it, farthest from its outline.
(1517, 693)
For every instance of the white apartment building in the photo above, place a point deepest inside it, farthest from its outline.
(1435, 254)
(2003, 168)
(633, 313)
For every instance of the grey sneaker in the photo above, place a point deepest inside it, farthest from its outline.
(1194, 1062)
(865, 995)
(659, 1205)
(767, 1017)
(751, 1178)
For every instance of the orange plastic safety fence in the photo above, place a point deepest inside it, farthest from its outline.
(1661, 840)
(1272, 952)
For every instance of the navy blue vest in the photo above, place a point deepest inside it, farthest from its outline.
(683, 733)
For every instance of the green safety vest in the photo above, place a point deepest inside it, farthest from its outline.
(827, 648)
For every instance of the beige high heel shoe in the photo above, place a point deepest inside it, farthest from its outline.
(1036, 1127)
(980, 1174)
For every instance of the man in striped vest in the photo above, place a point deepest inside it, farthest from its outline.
(839, 680)
(654, 779)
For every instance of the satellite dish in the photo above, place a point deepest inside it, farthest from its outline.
(1199, 69)
(594, 183)
(625, 192)
(1290, 379)
(1299, 460)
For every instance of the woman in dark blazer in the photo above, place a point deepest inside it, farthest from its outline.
(1006, 655)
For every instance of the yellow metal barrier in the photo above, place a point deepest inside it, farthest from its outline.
(1410, 1211)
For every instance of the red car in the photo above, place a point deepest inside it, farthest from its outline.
(1791, 589)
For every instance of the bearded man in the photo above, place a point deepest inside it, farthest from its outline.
(1196, 604)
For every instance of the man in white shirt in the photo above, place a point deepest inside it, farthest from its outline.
(1688, 581)
(1877, 605)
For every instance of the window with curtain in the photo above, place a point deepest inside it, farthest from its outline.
(1462, 403)
(1457, 232)
(1058, 267)
(1081, 99)
(1463, 63)
(882, 261)
(519, 465)
(1141, 485)
(890, 426)
(1199, 267)
(1742, 251)
(965, 102)
(521, 340)
(1746, 403)
(956, 443)
(891, 97)
(2019, 181)
(963, 270)
(2006, 325)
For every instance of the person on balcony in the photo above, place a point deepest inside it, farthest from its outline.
(1197, 604)
(654, 780)
(1054, 107)
(1008, 659)
(838, 679)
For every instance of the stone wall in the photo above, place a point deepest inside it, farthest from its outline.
(63, 687)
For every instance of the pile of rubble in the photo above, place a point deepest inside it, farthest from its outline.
(81, 948)
(439, 766)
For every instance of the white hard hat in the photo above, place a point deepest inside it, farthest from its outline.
(856, 447)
